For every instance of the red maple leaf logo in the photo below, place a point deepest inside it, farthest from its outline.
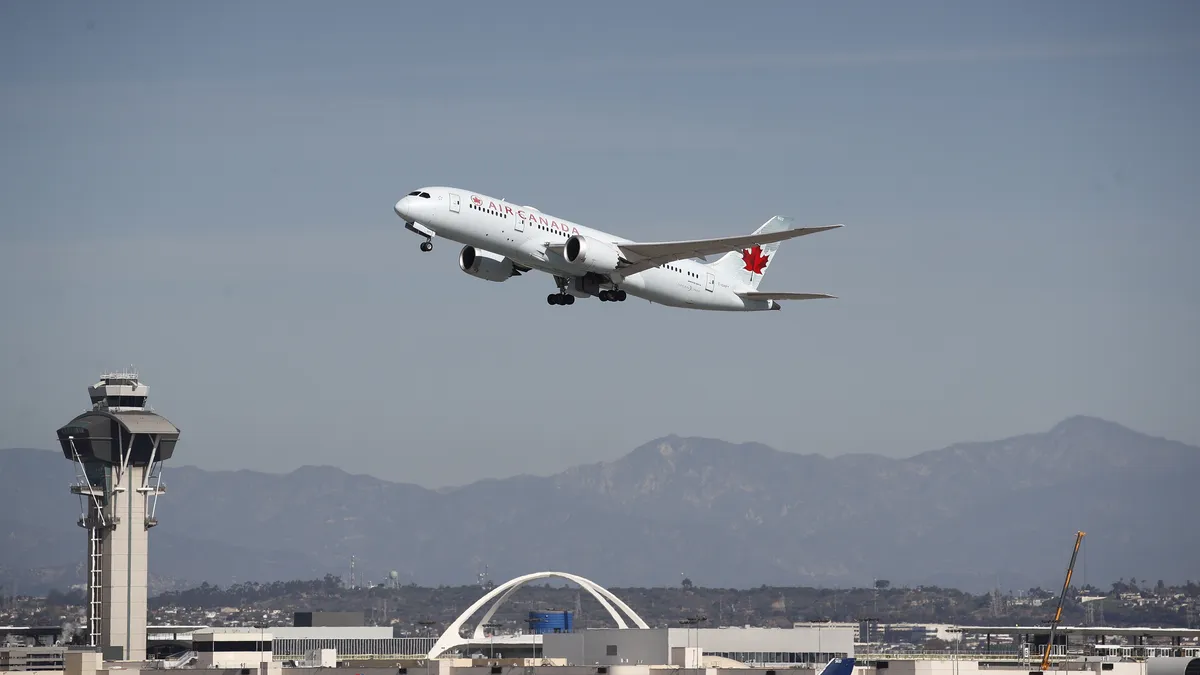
(755, 261)
(476, 199)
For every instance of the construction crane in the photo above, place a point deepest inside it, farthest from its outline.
(1061, 598)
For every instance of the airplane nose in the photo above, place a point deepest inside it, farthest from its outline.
(400, 209)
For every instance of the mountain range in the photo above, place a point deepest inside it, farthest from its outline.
(973, 516)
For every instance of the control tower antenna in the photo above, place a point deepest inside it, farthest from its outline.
(118, 448)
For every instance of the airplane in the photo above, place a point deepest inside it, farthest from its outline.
(839, 666)
(503, 240)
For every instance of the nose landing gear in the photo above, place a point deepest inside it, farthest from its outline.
(427, 245)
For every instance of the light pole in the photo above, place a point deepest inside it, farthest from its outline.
(956, 646)
(688, 623)
(427, 630)
(492, 636)
(869, 622)
(261, 627)
(532, 631)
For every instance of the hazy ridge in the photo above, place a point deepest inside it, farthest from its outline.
(972, 515)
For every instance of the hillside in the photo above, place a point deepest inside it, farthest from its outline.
(972, 516)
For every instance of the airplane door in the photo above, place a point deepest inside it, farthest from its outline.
(455, 203)
(518, 224)
(710, 283)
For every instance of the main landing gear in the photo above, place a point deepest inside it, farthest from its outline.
(568, 299)
(562, 297)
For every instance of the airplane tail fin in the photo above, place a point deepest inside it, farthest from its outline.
(750, 265)
(842, 666)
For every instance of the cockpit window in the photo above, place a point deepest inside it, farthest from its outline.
(426, 195)
(418, 193)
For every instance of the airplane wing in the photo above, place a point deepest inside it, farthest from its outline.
(779, 295)
(643, 256)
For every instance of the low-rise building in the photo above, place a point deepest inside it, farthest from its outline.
(232, 647)
(693, 647)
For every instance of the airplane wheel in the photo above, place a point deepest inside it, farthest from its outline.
(570, 299)
(604, 296)
(426, 246)
(620, 296)
(552, 299)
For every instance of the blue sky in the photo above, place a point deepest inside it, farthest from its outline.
(205, 190)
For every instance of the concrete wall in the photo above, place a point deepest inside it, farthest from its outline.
(82, 663)
(355, 671)
(570, 670)
(27, 658)
(124, 569)
(797, 640)
(894, 668)
(418, 667)
(668, 646)
(965, 667)
(593, 647)
(332, 632)
(1171, 665)
(325, 619)
(204, 641)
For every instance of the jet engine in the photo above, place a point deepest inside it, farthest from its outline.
(590, 254)
(485, 264)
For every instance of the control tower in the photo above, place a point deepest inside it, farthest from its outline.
(118, 448)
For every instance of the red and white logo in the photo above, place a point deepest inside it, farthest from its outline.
(476, 200)
(755, 261)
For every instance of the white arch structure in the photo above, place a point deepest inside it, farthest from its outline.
(451, 637)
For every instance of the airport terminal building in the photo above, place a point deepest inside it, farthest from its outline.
(692, 647)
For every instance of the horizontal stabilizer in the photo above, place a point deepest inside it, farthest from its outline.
(779, 295)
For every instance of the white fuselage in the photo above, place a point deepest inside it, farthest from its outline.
(523, 234)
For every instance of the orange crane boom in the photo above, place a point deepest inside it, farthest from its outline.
(1062, 597)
